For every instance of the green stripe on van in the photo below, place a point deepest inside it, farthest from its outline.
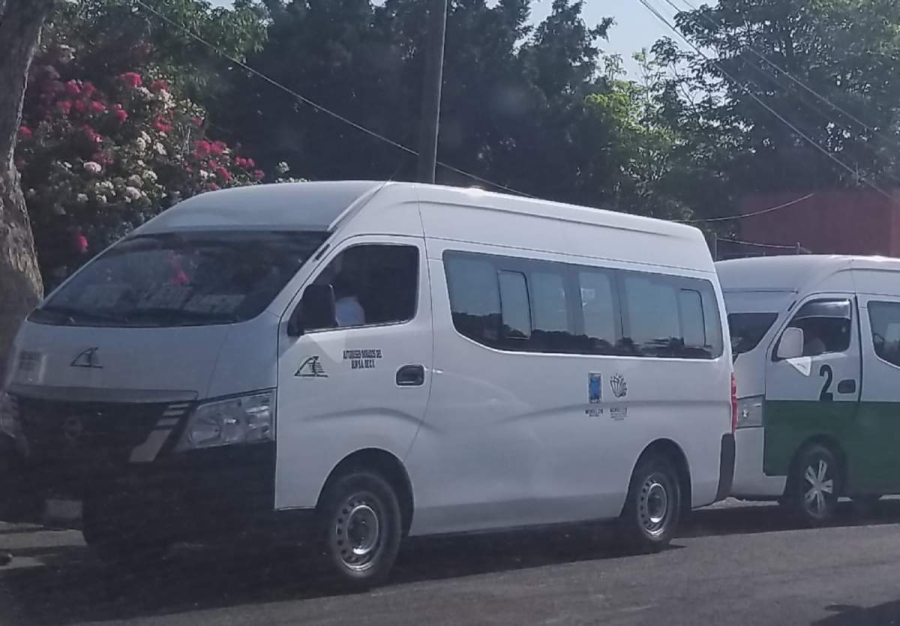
(867, 434)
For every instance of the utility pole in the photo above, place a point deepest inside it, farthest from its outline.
(431, 91)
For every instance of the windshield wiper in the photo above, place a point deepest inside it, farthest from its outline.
(166, 315)
(72, 315)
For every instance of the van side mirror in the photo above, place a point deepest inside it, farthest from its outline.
(316, 311)
(791, 344)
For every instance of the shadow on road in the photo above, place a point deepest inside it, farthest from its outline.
(849, 615)
(762, 518)
(69, 585)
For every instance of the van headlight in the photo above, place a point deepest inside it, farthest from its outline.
(240, 420)
(750, 412)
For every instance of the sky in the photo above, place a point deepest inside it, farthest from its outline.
(635, 27)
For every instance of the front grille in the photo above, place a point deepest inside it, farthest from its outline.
(90, 433)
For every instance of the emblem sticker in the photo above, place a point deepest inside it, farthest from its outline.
(619, 386)
(311, 368)
(88, 358)
(595, 390)
(595, 394)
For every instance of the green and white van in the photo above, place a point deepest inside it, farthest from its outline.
(816, 341)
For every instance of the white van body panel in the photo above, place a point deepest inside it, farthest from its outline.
(782, 285)
(494, 452)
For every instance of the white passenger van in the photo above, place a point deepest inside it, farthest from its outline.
(817, 358)
(375, 360)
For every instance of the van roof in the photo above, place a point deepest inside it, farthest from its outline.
(320, 205)
(306, 206)
(790, 273)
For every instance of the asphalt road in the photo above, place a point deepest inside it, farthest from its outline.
(732, 565)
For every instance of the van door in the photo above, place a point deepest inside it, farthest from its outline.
(361, 382)
(818, 392)
(876, 466)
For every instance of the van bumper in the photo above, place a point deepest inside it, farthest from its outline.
(750, 480)
(195, 496)
(726, 467)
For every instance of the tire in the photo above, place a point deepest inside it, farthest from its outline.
(118, 542)
(361, 529)
(652, 510)
(814, 485)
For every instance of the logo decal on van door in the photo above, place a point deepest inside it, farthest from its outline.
(88, 359)
(311, 368)
(619, 386)
(595, 390)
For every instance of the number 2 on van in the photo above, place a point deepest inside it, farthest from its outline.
(271, 409)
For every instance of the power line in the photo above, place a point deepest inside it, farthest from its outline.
(316, 105)
(779, 69)
(771, 246)
(760, 102)
(753, 214)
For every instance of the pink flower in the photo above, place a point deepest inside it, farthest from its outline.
(91, 134)
(218, 147)
(250, 163)
(202, 149)
(98, 107)
(197, 121)
(25, 132)
(213, 187)
(159, 85)
(88, 89)
(119, 113)
(160, 125)
(73, 88)
(132, 79)
(224, 174)
(81, 243)
(65, 106)
(80, 106)
(258, 174)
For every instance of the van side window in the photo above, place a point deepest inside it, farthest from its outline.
(670, 316)
(474, 297)
(599, 310)
(693, 324)
(528, 305)
(826, 326)
(884, 317)
(374, 284)
(514, 303)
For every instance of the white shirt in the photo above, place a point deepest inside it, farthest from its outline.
(349, 312)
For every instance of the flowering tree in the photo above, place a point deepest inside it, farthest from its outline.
(97, 160)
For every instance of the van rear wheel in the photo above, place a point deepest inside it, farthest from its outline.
(361, 528)
(814, 485)
(653, 507)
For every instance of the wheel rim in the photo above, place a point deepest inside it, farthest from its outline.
(818, 487)
(356, 536)
(653, 505)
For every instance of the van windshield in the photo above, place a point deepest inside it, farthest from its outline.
(181, 279)
(748, 329)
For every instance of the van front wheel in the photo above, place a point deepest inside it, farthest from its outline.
(815, 485)
(653, 507)
(361, 528)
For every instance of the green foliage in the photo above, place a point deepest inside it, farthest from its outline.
(845, 50)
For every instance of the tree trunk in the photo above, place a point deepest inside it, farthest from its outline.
(21, 22)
